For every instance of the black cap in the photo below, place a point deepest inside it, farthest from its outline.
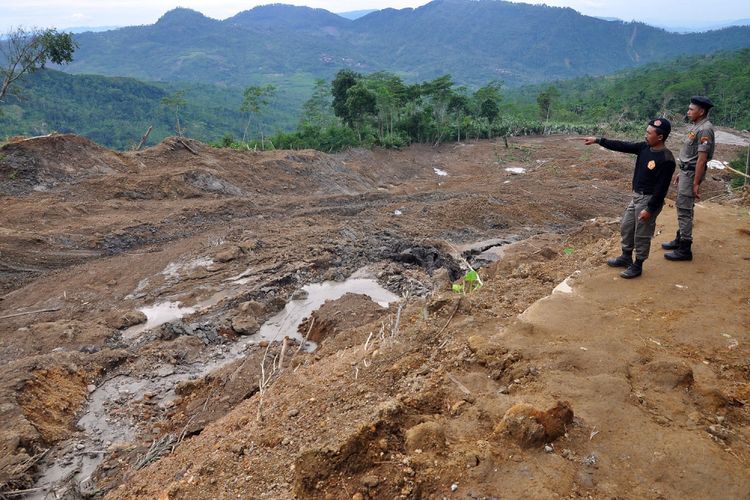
(663, 125)
(702, 101)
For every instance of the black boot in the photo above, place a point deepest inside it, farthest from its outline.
(623, 260)
(674, 244)
(683, 252)
(634, 270)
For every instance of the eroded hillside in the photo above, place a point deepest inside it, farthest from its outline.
(147, 297)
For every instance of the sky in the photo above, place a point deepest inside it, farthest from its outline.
(63, 14)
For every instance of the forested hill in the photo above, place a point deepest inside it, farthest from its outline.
(475, 41)
(116, 111)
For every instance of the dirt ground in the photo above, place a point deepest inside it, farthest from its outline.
(602, 388)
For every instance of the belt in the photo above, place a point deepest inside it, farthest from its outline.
(687, 167)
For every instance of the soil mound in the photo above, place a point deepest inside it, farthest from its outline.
(46, 162)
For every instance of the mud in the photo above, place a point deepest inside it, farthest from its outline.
(216, 323)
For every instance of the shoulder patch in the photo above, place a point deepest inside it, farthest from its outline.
(705, 140)
(691, 135)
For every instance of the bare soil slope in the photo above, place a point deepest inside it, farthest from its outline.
(617, 388)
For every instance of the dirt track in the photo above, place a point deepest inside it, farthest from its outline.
(405, 401)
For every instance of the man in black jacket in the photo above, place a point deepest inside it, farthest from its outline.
(654, 167)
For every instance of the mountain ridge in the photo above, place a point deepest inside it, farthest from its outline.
(473, 41)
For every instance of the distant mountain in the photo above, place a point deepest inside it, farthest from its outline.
(84, 29)
(475, 41)
(702, 26)
(356, 14)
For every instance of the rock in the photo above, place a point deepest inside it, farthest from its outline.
(292, 413)
(251, 306)
(165, 371)
(120, 320)
(530, 427)
(520, 424)
(358, 496)
(300, 294)
(454, 486)
(427, 436)
(90, 388)
(719, 431)
(228, 254)
(248, 246)
(245, 323)
(441, 279)
(437, 303)
(370, 481)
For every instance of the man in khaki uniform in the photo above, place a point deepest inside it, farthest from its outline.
(696, 152)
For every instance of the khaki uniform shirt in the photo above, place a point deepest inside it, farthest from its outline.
(700, 138)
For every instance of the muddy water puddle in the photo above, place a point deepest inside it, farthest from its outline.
(106, 421)
(286, 322)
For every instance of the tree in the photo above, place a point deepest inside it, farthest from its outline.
(28, 51)
(360, 102)
(488, 99)
(545, 100)
(345, 79)
(458, 105)
(316, 111)
(175, 101)
(255, 99)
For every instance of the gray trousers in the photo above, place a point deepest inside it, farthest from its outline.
(685, 203)
(636, 235)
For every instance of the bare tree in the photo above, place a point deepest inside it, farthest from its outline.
(25, 51)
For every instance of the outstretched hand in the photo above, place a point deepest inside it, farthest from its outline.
(588, 140)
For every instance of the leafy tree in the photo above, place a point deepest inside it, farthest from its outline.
(174, 102)
(487, 100)
(545, 100)
(360, 102)
(28, 51)
(458, 106)
(345, 79)
(255, 99)
(317, 110)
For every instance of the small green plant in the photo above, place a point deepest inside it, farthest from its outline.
(568, 250)
(469, 283)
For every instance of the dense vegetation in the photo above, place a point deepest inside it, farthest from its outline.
(662, 89)
(116, 112)
(379, 108)
(475, 41)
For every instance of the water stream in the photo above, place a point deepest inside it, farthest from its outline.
(104, 423)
